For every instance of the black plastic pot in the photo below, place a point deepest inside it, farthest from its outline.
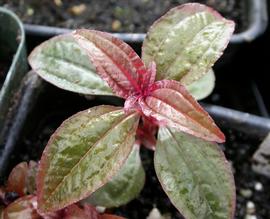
(252, 125)
(12, 45)
(258, 64)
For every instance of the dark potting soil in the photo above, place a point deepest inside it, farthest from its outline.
(55, 105)
(114, 15)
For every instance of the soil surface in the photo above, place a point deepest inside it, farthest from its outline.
(55, 105)
(113, 15)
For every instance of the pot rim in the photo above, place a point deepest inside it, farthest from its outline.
(257, 16)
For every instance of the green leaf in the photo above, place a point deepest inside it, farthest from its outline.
(63, 63)
(195, 175)
(31, 177)
(203, 87)
(84, 153)
(186, 42)
(125, 186)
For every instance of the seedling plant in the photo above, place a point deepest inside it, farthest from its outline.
(96, 152)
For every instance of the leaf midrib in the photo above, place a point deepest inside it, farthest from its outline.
(188, 166)
(172, 29)
(185, 115)
(201, 57)
(87, 152)
(130, 78)
(188, 44)
(67, 61)
(116, 151)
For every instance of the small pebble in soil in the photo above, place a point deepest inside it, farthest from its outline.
(58, 2)
(258, 186)
(30, 11)
(246, 193)
(250, 217)
(250, 207)
(77, 9)
(116, 25)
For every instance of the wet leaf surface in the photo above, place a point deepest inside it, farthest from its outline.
(186, 42)
(63, 63)
(116, 62)
(125, 186)
(195, 175)
(171, 105)
(83, 154)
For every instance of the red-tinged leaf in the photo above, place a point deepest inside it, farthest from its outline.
(186, 42)
(31, 177)
(195, 175)
(84, 153)
(110, 216)
(146, 133)
(22, 178)
(115, 61)
(146, 139)
(124, 187)
(1, 212)
(171, 105)
(75, 212)
(22, 208)
(131, 104)
(2, 194)
(150, 76)
(91, 211)
(52, 215)
(17, 179)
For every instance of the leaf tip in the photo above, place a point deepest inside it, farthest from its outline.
(231, 24)
(221, 137)
(217, 135)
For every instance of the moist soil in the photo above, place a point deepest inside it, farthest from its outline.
(55, 105)
(114, 15)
